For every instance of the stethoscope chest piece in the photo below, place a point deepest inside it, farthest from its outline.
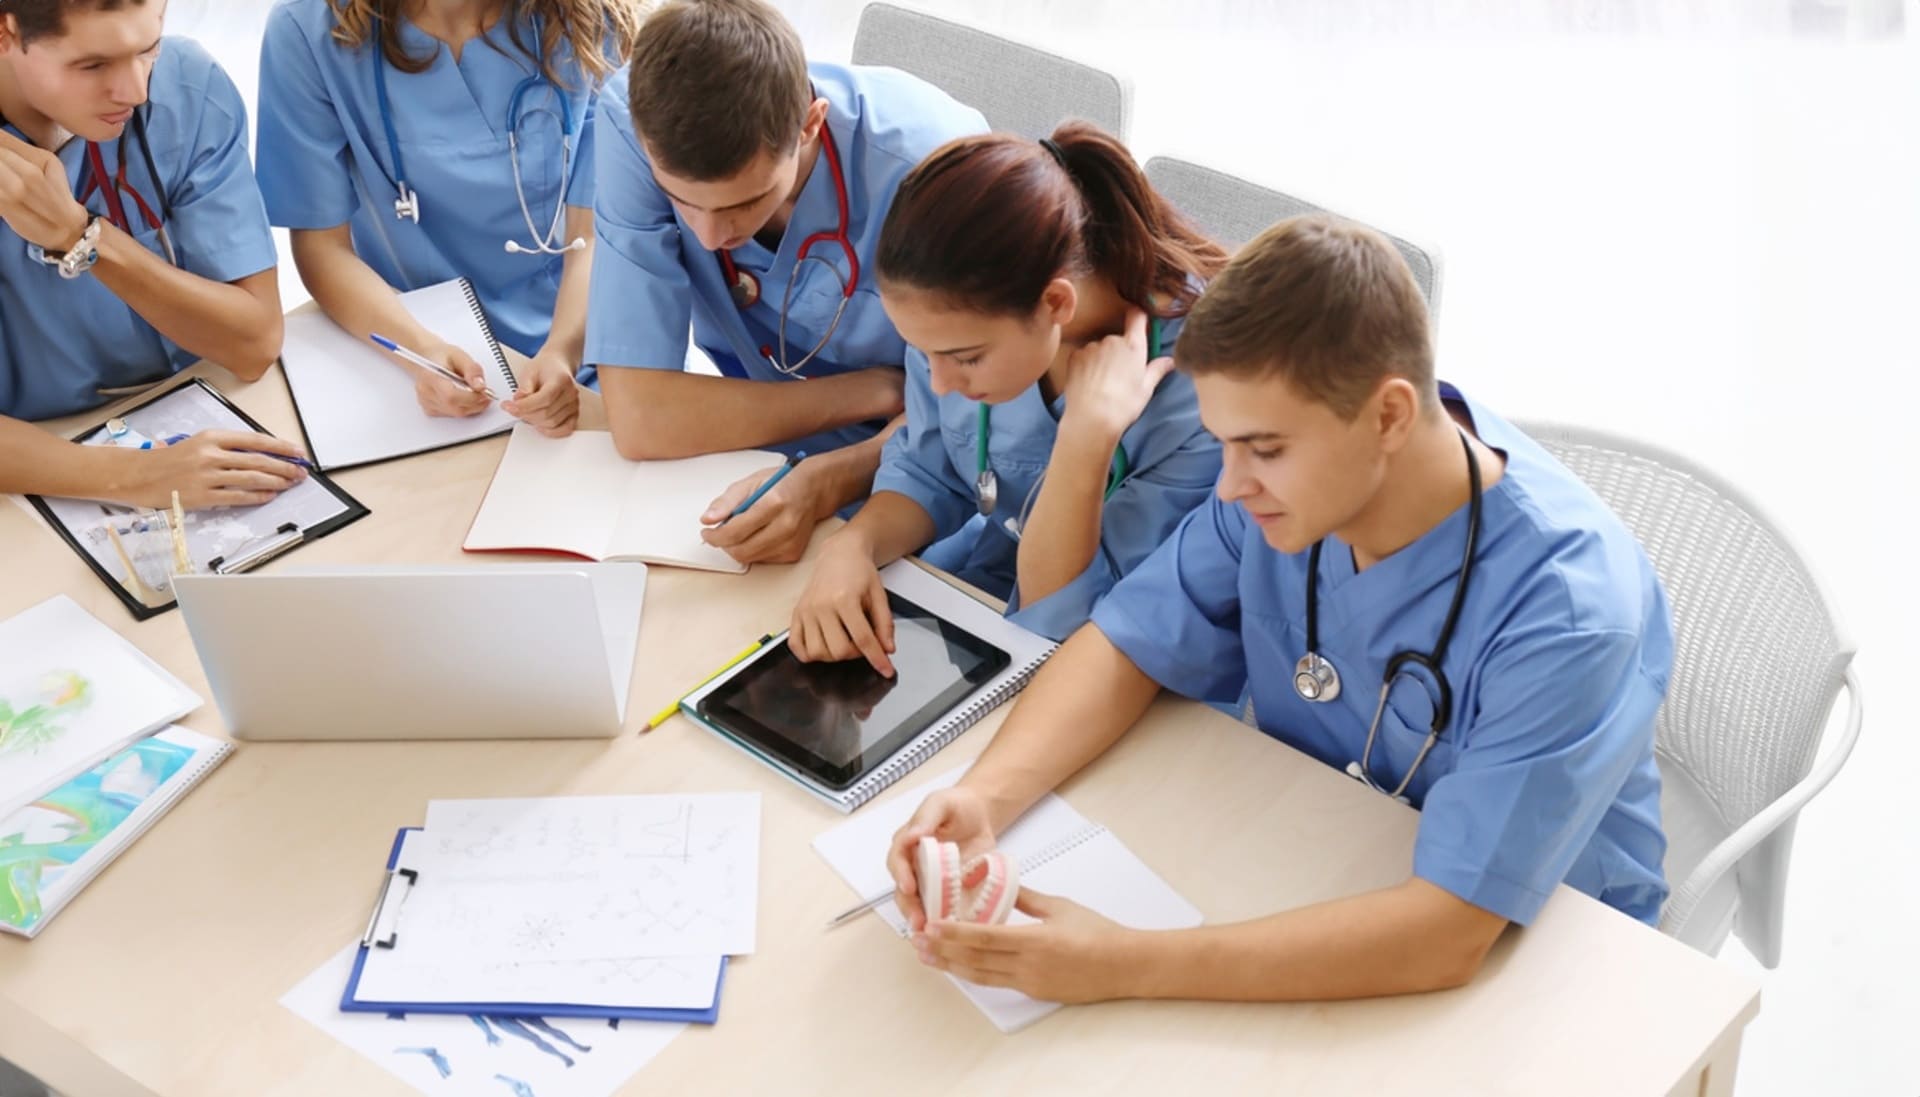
(745, 288)
(407, 206)
(986, 487)
(1315, 679)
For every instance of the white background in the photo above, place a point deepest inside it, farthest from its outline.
(1696, 220)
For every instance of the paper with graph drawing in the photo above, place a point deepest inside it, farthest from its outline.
(655, 982)
(584, 878)
(453, 1055)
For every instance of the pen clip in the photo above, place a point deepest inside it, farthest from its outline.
(259, 550)
(371, 939)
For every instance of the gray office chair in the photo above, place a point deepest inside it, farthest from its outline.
(1234, 211)
(1759, 662)
(1020, 88)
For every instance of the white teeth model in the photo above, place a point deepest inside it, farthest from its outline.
(982, 890)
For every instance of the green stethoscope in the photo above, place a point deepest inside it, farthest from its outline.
(986, 483)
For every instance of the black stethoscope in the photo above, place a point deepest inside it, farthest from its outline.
(1315, 679)
(986, 482)
(406, 207)
(745, 287)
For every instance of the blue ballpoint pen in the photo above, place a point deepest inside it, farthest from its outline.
(426, 363)
(176, 439)
(766, 486)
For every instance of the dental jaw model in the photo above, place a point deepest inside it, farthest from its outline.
(981, 890)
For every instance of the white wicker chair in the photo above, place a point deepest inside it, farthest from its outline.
(1020, 88)
(1759, 662)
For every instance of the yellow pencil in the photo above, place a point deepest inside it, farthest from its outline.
(666, 714)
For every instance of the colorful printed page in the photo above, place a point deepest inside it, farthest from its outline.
(73, 692)
(56, 845)
(474, 1056)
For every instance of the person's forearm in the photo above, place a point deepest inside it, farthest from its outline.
(237, 325)
(887, 528)
(35, 462)
(846, 474)
(1406, 939)
(568, 335)
(658, 414)
(1062, 534)
(350, 292)
(1083, 700)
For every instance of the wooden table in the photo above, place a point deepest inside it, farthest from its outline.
(163, 978)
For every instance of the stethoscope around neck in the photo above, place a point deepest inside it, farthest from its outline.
(1315, 678)
(744, 286)
(986, 482)
(407, 207)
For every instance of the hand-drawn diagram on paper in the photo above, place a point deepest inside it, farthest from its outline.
(585, 878)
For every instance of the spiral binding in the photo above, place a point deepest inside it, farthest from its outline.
(1061, 847)
(480, 314)
(935, 738)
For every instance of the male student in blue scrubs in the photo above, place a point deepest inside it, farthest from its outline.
(132, 242)
(742, 190)
(1310, 354)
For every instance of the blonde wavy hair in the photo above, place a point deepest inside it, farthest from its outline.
(601, 32)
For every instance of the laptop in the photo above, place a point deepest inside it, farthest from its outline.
(514, 651)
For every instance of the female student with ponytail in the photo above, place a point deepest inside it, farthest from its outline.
(1040, 287)
(407, 143)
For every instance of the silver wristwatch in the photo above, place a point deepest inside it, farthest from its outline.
(81, 257)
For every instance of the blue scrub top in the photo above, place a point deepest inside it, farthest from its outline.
(1559, 664)
(1172, 465)
(63, 342)
(651, 276)
(324, 159)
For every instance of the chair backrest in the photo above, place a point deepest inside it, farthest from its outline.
(1758, 663)
(1234, 211)
(1020, 88)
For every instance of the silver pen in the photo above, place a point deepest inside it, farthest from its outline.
(853, 912)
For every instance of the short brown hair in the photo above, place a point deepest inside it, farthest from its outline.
(715, 81)
(37, 19)
(1326, 304)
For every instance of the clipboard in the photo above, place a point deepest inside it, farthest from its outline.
(254, 552)
(393, 889)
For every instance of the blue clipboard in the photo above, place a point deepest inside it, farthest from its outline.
(349, 1003)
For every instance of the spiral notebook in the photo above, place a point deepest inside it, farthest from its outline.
(1059, 851)
(56, 845)
(357, 405)
(921, 587)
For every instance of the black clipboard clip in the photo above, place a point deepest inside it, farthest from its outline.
(372, 938)
(259, 550)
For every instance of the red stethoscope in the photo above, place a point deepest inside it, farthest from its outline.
(745, 287)
(95, 180)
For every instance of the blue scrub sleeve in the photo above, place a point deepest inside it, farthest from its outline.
(1177, 615)
(306, 174)
(640, 300)
(219, 225)
(1562, 722)
(580, 186)
(1135, 521)
(915, 462)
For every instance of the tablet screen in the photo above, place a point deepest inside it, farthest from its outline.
(837, 721)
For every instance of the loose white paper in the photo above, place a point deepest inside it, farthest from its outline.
(454, 1056)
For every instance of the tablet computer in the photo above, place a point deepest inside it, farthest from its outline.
(836, 722)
